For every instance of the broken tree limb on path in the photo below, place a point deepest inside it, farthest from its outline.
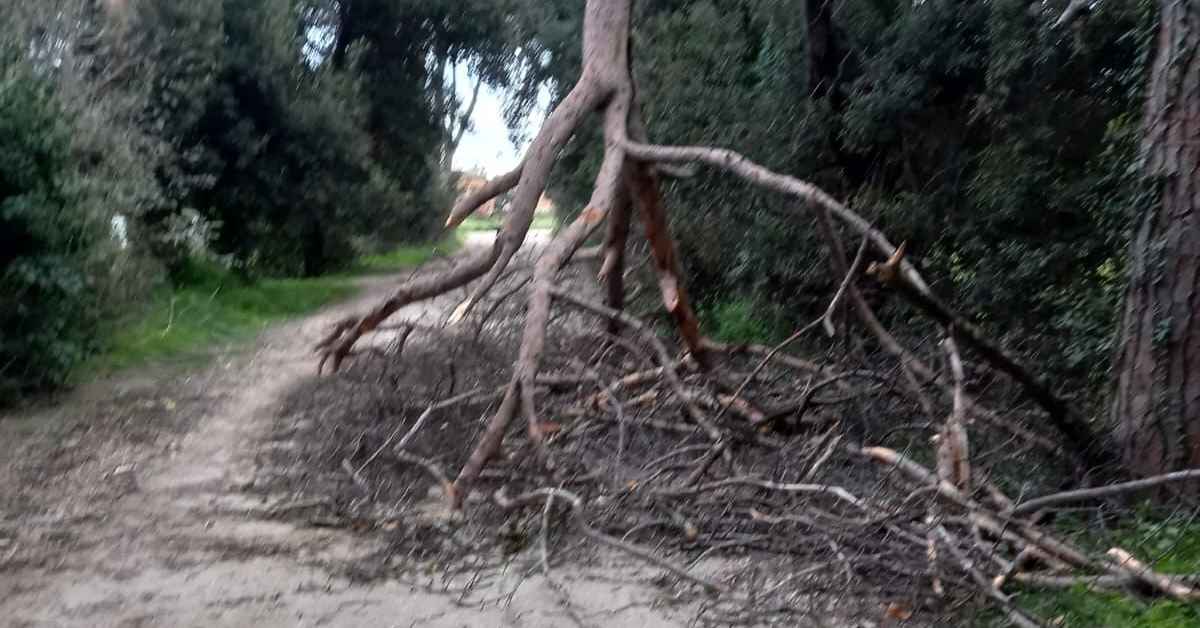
(758, 460)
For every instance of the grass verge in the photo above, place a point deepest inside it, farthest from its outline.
(1172, 546)
(213, 309)
(404, 257)
(489, 223)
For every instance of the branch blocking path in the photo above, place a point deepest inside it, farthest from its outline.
(604, 84)
(627, 175)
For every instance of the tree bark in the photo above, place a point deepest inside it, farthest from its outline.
(1156, 406)
(643, 187)
(612, 269)
(824, 54)
(604, 81)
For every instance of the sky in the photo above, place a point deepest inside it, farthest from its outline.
(487, 146)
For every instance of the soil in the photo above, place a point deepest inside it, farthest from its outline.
(145, 500)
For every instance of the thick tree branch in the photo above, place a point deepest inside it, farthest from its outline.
(488, 191)
(643, 185)
(817, 198)
(468, 266)
(612, 266)
(558, 252)
(539, 160)
(759, 175)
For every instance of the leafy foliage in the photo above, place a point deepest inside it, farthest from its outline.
(1000, 149)
(48, 312)
(276, 138)
(212, 306)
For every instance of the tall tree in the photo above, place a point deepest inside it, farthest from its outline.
(1157, 403)
(403, 49)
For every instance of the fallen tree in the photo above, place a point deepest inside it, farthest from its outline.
(969, 535)
(627, 172)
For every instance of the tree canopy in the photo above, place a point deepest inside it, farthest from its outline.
(280, 138)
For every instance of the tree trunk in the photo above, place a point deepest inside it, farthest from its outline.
(458, 122)
(824, 54)
(1156, 407)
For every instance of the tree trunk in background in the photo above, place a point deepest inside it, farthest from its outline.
(457, 124)
(824, 55)
(1156, 407)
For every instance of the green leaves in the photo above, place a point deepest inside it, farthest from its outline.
(48, 313)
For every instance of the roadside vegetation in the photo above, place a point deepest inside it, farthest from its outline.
(174, 173)
(210, 308)
(1172, 542)
(404, 257)
(493, 222)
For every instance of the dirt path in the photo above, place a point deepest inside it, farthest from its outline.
(128, 505)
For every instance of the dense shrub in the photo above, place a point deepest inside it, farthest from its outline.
(48, 305)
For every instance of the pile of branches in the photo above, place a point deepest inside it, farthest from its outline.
(748, 482)
(744, 448)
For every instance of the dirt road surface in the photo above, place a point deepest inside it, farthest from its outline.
(126, 504)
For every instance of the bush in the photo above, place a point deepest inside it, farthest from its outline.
(49, 313)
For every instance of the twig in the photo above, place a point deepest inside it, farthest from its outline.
(170, 318)
(358, 480)
(812, 471)
(1086, 494)
(820, 489)
(11, 554)
(431, 468)
(277, 511)
(1015, 530)
(1062, 415)
(1070, 582)
(824, 318)
(576, 504)
(419, 422)
(665, 360)
(827, 317)
(1015, 615)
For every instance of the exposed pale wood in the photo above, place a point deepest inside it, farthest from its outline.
(1142, 572)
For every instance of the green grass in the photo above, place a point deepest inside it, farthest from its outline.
(1171, 546)
(404, 257)
(189, 323)
(489, 223)
(214, 309)
(743, 320)
(1082, 608)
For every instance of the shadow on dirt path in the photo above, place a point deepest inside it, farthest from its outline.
(128, 505)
